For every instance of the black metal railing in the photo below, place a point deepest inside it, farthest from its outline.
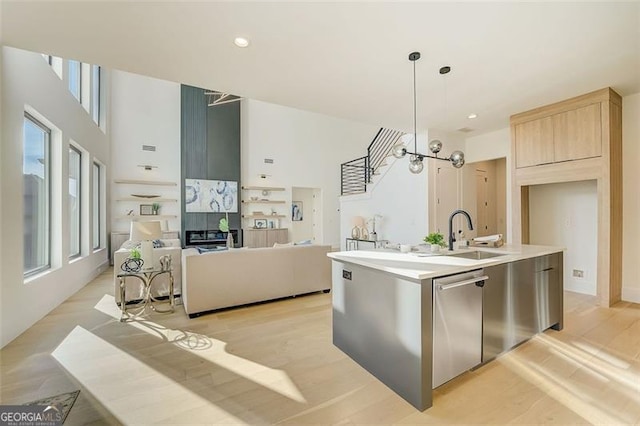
(356, 174)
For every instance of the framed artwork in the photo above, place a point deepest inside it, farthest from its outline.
(210, 196)
(146, 209)
(260, 223)
(296, 211)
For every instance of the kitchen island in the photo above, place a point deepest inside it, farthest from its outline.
(416, 320)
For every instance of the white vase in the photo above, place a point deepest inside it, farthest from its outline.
(435, 248)
(229, 240)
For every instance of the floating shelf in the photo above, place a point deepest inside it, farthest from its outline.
(146, 217)
(147, 200)
(262, 188)
(264, 201)
(144, 182)
(263, 216)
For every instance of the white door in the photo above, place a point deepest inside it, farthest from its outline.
(482, 204)
(447, 199)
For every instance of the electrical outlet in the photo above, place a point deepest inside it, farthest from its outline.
(578, 273)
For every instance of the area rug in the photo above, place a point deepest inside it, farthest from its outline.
(64, 400)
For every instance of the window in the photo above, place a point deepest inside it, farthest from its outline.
(75, 78)
(48, 58)
(95, 93)
(37, 189)
(95, 208)
(75, 189)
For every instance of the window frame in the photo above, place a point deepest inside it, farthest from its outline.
(96, 86)
(96, 208)
(69, 61)
(79, 191)
(48, 203)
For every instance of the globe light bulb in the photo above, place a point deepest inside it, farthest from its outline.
(457, 159)
(399, 151)
(416, 165)
(435, 146)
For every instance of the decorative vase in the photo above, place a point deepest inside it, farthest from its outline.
(229, 240)
(355, 233)
(132, 265)
(364, 233)
(435, 248)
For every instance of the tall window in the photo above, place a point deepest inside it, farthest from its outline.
(74, 201)
(75, 78)
(95, 208)
(95, 93)
(36, 185)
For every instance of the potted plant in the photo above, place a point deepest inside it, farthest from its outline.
(436, 240)
(224, 227)
(134, 262)
(155, 207)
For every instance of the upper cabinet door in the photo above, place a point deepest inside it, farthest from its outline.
(534, 142)
(578, 133)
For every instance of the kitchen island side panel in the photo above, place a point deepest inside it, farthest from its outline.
(384, 323)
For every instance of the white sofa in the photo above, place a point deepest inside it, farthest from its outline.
(224, 279)
(161, 283)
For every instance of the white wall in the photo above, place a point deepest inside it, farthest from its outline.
(631, 198)
(566, 215)
(399, 196)
(29, 82)
(307, 149)
(144, 111)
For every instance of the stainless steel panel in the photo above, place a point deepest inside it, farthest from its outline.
(497, 335)
(383, 323)
(457, 325)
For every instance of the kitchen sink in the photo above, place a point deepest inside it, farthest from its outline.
(476, 255)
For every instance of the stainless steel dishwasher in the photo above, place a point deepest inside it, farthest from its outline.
(457, 324)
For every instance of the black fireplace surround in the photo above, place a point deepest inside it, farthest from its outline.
(209, 238)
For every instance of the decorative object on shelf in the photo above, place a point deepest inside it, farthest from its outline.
(355, 233)
(436, 240)
(129, 212)
(165, 262)
(134, 262)
(258, 213)
(146, 209)
(358, 223)
(211, 196)
(416, 164)
(296, 211)
(146, 232)
(145, 195)
(224, 227)
(260, 223)
(373, 236)
(265, 192)
(364, 233)
(253, 198)
(156, 208)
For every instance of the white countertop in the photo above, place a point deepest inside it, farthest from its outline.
(420, 266)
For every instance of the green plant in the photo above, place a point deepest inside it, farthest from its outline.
(155, 207)
(435, 238)
(134, 253)
(224, 224)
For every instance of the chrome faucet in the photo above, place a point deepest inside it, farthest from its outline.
(451, 236)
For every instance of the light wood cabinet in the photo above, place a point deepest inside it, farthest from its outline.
(534, 142)
(265, 237)
(577, 134)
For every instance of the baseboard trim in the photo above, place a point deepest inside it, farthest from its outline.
(631, 295)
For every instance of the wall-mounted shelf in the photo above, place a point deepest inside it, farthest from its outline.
(144, 182)
(262, 188)
(264, 201)
(147, 200)
(147, 217)
(263, 216)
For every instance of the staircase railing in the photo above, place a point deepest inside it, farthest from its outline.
(356, 174)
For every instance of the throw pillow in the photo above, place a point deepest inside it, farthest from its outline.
(207, 250)
(158, 243)
(283, 245)
(303, 243)
(128, 245)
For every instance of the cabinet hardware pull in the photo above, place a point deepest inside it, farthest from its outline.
(547, 269)
(461, 283)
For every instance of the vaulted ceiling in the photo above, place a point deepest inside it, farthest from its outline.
(349, 59)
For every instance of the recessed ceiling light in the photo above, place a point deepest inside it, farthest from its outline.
(472, 116)
(241, 42)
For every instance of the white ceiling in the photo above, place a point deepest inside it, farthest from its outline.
(349, 60)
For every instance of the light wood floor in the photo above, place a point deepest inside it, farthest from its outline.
(275, 363)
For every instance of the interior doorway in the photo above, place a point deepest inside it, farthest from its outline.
(306, 215)
(484, 197)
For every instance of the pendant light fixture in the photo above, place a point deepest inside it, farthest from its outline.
(416, 164)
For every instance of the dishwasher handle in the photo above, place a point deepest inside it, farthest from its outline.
(464, 282)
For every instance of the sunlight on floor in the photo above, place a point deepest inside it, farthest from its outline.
(128, 388)
(605, 372)
(211, 350)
